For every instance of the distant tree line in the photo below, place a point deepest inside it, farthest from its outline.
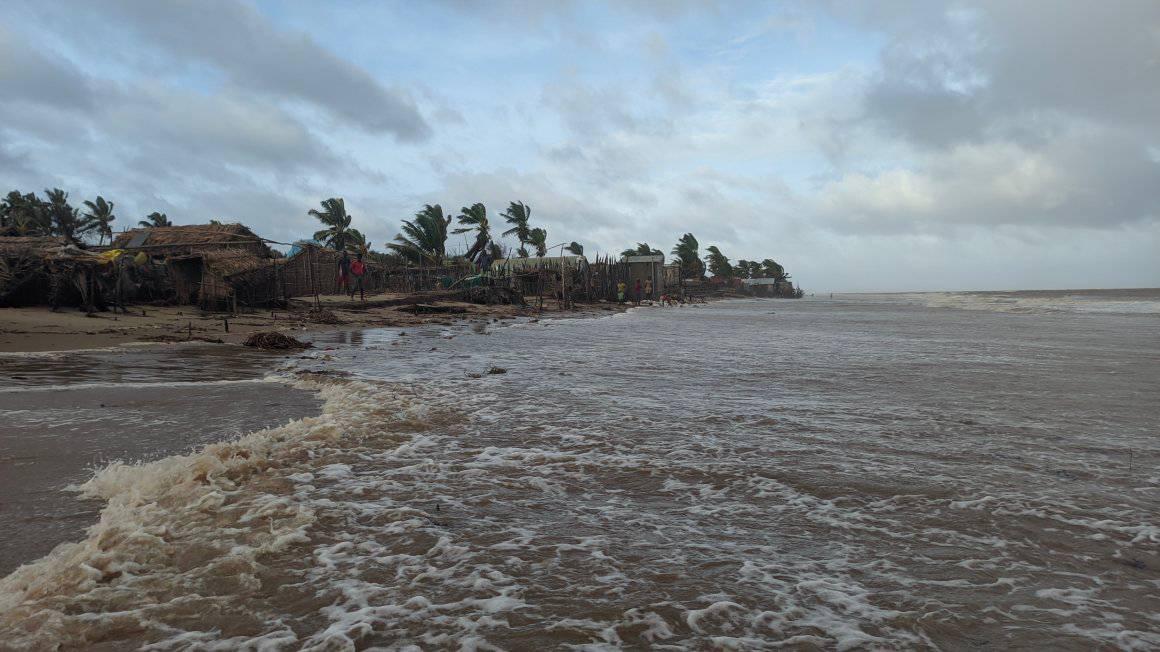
(25, 214)
(421, 240)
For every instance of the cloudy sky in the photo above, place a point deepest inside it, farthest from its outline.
(865, 146)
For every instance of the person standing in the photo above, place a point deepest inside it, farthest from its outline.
(637, 294)
(344, 273)
(357, 269)
(648, 289)
(620, 288)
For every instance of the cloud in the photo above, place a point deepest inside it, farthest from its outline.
(257, 56)
(33, 75)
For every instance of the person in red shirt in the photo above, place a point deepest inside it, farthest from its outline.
(357, 269)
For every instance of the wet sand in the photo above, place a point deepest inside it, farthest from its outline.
(65, 416)
(39, 329)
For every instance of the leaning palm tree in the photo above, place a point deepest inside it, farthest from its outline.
(336, 220)
(575, 248)
(475, 219)
(687, 252)
(423, 239)
(642, 249)
(155, 219)
(538, 238)
(718, 264)
(65, 220)
(771, 269)
(100, 217)
(518, 214)
(358, 241)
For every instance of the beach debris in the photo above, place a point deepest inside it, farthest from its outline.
(472, 374)
(497, 370)
(273, 340)
(323, 316)
(431, 309)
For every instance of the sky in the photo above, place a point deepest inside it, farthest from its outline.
(866, 146)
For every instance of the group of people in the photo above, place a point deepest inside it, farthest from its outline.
(643, 291)
(348, 269)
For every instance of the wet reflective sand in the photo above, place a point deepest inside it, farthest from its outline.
(63, 416)
(745, 475)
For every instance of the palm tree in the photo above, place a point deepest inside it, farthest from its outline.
(771, 269)
(155, 219)
(336, 220)
(518, 214)
(100, 218)
(475, 219)
(687, 252)
(538, 238)
(642, 249)
(576, 249)
(425, 237)
(741, 269)
(25, 213)
(718, 263)
(358, 241)
(65, 219)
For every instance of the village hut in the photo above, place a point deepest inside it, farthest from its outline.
(646, 268)
(201, 262)
(161, 241)
(768, 287)
(52, 270)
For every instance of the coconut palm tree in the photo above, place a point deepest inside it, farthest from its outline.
(718, 263)
(25, 213)
(155, 219)
(642, 249)
(100, 217)
(358, 241)
(687, 252)
(475, 219)
(337, 222)
(65, 220)
(575, 248)
(518, 214)
(538, 238)
(424, 239)
(771, 269)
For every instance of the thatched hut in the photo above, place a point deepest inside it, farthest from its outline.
(160, 241)
(53, 270)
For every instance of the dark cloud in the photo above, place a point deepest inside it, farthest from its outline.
(254, 55)
(33, 75)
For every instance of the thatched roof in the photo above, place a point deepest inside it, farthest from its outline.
(188, 235)
(227, 262)
(30, 245)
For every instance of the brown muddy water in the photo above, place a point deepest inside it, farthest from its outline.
(890, 472)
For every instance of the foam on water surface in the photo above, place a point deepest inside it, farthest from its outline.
(717, 478)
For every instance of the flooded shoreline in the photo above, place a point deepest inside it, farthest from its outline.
(747, 474)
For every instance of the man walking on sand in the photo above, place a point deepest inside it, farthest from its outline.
(357, 269)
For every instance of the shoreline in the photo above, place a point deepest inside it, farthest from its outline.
(37, 329)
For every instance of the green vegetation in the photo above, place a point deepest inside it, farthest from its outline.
(424, 239)
(337, 222)
(518, 215)
(99, 218)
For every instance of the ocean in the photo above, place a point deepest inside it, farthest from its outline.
(895, 471)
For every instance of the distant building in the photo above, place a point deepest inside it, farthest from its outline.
(641, 268)
(768, 287)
